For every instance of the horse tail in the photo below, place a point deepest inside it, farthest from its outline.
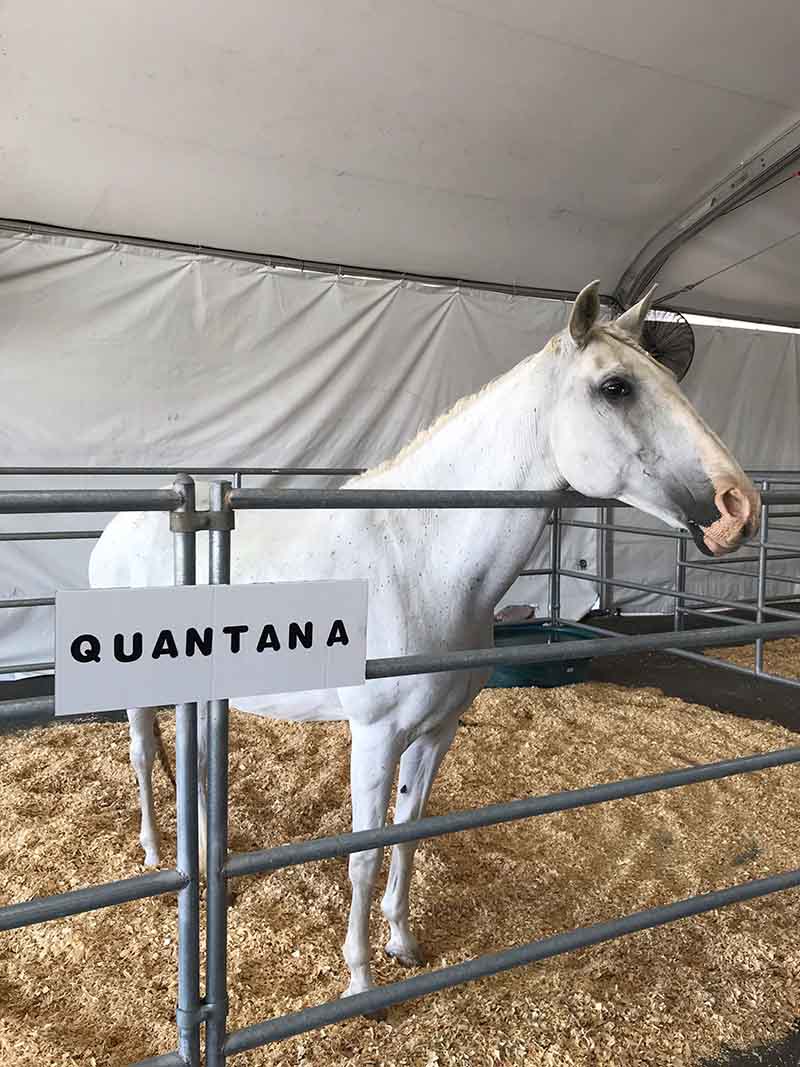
(162, 752)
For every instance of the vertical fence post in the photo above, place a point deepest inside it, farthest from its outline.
(762, 579)
(555, 567)
(680, 582)
(188, 1011)
(605, 553)
(219, 573)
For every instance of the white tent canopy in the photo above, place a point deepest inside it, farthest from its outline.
(523, 143)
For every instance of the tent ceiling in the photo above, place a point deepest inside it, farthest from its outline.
(536, 144)
(767, 286)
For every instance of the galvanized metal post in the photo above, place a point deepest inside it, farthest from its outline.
(188, 1011)
(680, 582)
(605, 558)
(762, 579)
(216, 1000)
(555, 567)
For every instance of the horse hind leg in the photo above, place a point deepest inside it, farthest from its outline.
(418, 767)
(373, 759)
(143, 747)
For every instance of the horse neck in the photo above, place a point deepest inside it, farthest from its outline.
(498, 439)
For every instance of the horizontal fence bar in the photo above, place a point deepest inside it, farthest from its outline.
(739, 573)
(29, 602)
(790, 598)
(187, 468)
(778, 496)
(739, 605)
(609, 644)
(711, 661)
(33, 711)
(617, 528)
(616, 645)
(704, 613)
(373, 1000)
(431, 498)
(776, 546)
(763, 676)
(410, 498)
(272, 859)
(77, 901)
(51, 535)
(779, 477)
(27, 668)
(49, 501)
(725, 562)
(27, 710)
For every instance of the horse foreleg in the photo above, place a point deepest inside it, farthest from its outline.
(143, 753)
(373, 759)
(418, 768)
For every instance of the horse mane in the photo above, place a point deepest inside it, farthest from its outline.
(425, 434)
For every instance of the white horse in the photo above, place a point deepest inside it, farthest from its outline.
(592, 411)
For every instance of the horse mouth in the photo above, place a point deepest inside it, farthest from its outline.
(699, 538)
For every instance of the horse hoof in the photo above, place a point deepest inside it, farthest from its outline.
(406, 956)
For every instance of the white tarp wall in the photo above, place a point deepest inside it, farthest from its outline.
(120, 355)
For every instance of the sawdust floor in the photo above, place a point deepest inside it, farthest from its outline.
(780, 657)
(100, 989)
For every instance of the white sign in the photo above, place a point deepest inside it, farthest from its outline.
(123, 648)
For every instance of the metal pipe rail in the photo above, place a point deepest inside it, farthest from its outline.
(681, 595)
(736, 572)
(124, 472)
(51, 535)
(741, 633)
(28, 602)
(273, 859)
(90, 898)
(285, 1026)
(677, 649)
(397, 499)
(51, 501)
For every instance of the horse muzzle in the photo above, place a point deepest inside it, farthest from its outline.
(739, 513)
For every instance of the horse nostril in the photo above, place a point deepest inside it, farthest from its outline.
(734, 504)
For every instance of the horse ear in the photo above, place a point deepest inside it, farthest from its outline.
(632, 320)
(584, 313)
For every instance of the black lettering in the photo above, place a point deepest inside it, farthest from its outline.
(268, 639)
(86, 649)
(236, 636)
(165, 645)
(119, 648)
(194, 641)
(304, 635)
(338, 634)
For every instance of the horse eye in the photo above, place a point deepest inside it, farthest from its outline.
(616, 388)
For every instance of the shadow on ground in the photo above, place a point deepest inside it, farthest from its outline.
(784, 1053)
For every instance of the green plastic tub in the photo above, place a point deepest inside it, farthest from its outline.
(541, 675)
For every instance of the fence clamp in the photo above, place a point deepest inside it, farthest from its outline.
(197, 521)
